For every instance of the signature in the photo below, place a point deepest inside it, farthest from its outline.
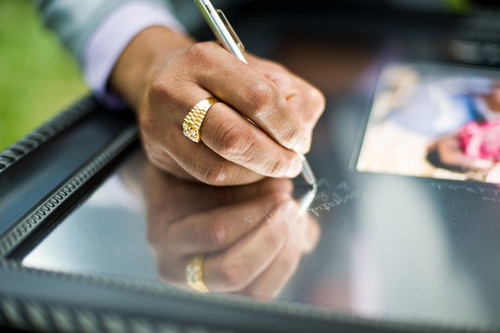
(262, 217)
(328, 198)
(488, 194)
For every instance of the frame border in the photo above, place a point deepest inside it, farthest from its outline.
(29, 312)
(61, 195)
(45, 132)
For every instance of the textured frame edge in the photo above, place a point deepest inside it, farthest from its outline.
(158, 290)
(31, 314)
(25, 227)
(45, 132)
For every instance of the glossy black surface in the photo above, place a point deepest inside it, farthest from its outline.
(381, 249)
(390, 248)
(24, 186)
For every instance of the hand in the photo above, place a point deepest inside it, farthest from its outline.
(251, 236)
(163, 75)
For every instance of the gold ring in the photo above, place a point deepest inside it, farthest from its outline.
(194, 274)
(192, 122)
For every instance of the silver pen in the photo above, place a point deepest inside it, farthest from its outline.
(229, 39)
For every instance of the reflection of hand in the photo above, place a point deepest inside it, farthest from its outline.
(251, 236)
(163, 75)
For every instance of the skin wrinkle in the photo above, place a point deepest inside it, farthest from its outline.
(231, 134)
(244, 151)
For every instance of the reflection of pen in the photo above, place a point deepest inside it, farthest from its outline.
(228, 38)
(307, 199)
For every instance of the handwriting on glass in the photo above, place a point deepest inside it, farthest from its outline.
(326, 200)
(488, 194)
(262, 217)
(332, 198)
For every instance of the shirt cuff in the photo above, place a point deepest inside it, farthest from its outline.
(108, 41)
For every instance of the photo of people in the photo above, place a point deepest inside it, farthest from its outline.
(436, 121)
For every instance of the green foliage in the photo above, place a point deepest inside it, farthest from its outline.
(458, 6)
(38, 77)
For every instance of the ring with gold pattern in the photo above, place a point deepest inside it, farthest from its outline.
(192, 122)
(194, 274)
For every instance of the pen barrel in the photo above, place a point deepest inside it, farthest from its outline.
(221, 28)
(226, 35)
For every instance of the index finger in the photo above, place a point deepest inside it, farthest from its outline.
(249, 92)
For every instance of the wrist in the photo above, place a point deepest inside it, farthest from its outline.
(141, 58)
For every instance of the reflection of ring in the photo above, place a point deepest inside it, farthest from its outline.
(192, 122)
(194, 274)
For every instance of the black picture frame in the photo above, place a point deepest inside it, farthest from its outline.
(34, 299)
(45, 174)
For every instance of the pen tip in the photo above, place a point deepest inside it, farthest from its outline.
(307, 173)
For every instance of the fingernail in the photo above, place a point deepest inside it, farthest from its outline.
(295, 168)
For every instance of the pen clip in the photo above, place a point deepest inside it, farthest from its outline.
(230, 29)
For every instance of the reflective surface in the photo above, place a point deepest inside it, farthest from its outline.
(387, 247)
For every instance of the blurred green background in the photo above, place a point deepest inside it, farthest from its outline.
(38, 77)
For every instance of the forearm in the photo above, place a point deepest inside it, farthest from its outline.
(145, 54)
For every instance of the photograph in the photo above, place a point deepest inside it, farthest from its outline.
(436, 121)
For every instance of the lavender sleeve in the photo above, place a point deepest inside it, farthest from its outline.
(108, 41)
(97, 32)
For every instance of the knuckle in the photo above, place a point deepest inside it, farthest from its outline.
(216, 233)
(215, 174)
(289, 135)
(319, 100)
(199, 51)
(149, 126)
(273, 238)
(235, 143)
(264, 97)
(230, 141)
(275, 167)
(235, 276)
(157, 87)
(161, 91)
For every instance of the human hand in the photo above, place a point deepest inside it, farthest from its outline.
(174, 75)
(252, 237)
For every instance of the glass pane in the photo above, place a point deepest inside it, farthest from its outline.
(387, 246)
